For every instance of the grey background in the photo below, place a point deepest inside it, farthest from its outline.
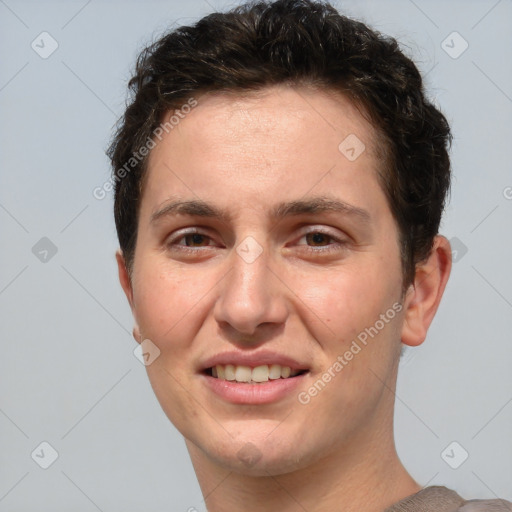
(67, 369)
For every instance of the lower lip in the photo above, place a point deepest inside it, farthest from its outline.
(255, 394)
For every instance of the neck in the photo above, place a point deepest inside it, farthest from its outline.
(348, 480)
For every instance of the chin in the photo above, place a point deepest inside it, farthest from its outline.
(250, 456)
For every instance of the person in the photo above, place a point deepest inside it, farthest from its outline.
(280, 176)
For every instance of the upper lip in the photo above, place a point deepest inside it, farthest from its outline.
(252, 359)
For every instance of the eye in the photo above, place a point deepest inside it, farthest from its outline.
(192, 242)
(320, 242)
(195, 240)
(317, 238)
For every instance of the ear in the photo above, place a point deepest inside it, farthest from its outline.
(126, 285)
(424, 295)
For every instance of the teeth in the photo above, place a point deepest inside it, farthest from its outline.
(274, 372)
(243, 374)
(262, 373)
(229, 372)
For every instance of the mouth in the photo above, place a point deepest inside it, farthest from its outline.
(253, 378)
(261, 374)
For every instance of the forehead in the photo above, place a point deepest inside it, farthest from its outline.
(234, 114)
(278, 140)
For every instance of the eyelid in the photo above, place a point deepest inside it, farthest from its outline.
(204, 231)
(322, 229)
(337, 241)
(178, 235)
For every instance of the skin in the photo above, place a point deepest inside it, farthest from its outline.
(245, 154)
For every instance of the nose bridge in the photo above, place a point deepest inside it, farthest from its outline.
(249, 295)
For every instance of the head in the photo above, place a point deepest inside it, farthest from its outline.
(294, 152)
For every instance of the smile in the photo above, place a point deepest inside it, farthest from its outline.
(252, 375)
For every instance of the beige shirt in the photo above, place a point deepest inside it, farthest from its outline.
(441, 499)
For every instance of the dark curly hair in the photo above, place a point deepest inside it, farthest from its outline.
(294, 42)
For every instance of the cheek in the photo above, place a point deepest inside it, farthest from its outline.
(167, 300)
(167, 309)
(357, 345)
(347, 300)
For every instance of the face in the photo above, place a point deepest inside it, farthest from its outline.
(267, 252)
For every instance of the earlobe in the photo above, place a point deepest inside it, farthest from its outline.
(424, 295)
(126, 285)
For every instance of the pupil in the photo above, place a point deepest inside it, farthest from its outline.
(318, 238)
(196, 238)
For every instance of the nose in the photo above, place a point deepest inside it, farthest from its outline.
(252, 300)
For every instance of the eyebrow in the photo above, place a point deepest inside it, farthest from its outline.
(315, 205)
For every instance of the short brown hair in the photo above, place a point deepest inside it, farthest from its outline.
(295, 42)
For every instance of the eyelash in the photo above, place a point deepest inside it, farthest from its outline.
(332, 247)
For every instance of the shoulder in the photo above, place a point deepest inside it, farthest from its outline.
(442, 499)
(486, 505)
